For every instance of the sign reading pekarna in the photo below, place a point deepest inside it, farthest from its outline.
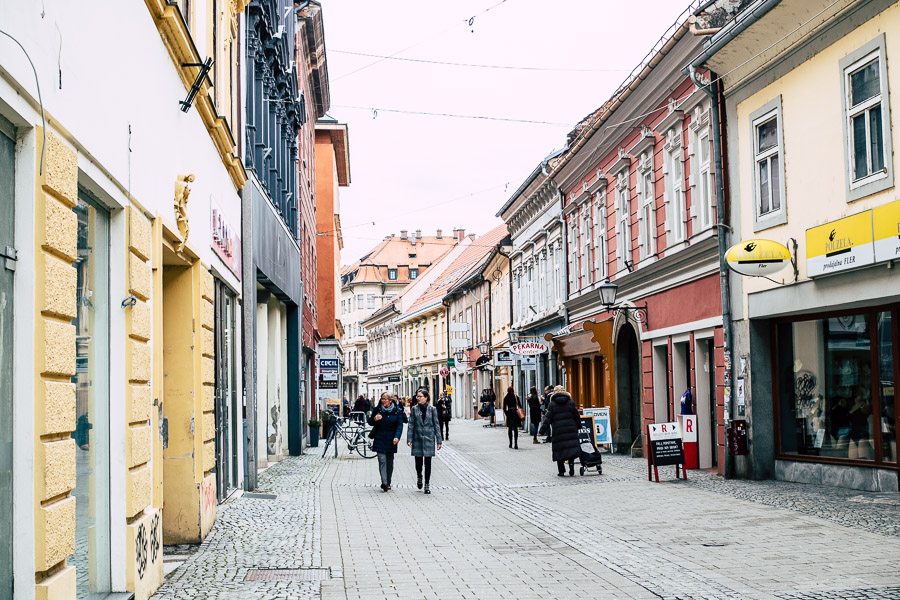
(757, 258)
(529, 348)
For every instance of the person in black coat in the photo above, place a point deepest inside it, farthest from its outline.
(387, 422)
(511, 408)
(490, 398)
(444, 407)
(563, 417)
(534, 407)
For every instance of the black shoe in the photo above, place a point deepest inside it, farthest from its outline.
(571, 471)
(517, 446)
(419, 483)
(563, 474)
(389, 486)
(427, 489)
(384, 487)
(510, 444)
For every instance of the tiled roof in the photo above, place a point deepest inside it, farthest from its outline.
(464, 263)
(393, 252)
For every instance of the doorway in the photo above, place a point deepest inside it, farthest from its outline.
(706, 403)
(628, 389)
(7, 239)
(227, 412)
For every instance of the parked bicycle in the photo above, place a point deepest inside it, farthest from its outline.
(354, 432)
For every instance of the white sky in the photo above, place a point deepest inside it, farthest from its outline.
(427, 172)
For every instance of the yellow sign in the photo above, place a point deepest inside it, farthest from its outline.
(757, 257)
(886, 226)
(840, 245)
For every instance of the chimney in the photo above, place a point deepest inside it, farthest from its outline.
(438, 236)
(402, 234)
(419, 234)
(460, 234)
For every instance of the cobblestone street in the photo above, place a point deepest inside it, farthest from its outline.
(501, 524)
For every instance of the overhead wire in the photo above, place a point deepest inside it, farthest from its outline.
(376, 110)
(478, 66)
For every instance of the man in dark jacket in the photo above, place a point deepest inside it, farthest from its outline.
(362, 405)
(563, 417)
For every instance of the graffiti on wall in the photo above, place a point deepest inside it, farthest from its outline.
(147, 545)
(140, 550)
(208, 496)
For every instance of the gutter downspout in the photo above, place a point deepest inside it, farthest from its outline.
(714, 95)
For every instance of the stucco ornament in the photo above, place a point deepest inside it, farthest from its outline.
(182, 191)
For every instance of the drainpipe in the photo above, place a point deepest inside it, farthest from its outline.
(714, 94)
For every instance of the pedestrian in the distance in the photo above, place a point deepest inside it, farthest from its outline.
(563, 417)
(362, 405)
(511, 408)
(490, 398)
(534, 407)
(387, 425)
(423, 435)
(445, 414)
(548, 393)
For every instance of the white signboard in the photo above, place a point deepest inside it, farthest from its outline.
(459, 327)
(529, 348)
(690, 428)
(602, 431)
(460, 343)
(665, 431)
(503, 358)
(528, 364)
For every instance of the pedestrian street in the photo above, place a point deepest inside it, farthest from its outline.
(500, 524)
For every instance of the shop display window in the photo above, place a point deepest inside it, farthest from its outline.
(835, 387)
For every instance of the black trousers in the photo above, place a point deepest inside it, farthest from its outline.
(445, 428)
(513, 433)
(427, 461)
(561, 465)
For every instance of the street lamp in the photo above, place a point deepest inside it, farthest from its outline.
(608, 291)
(459, 356)
(514, 336)
(484, 348)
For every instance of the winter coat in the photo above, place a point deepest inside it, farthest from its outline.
(445, 409)
(564, 418)
(534, 407)
(390, 426)
(510, 404)
(425, 433)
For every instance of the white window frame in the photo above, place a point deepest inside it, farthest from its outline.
(600, 243)
(883, 179)
(557, 272)
(646, 197)
(673, 177)
(701, 170)
(571, 253)
(370, 301)
(771, 110)
(623, 220)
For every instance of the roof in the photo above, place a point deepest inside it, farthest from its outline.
(466, 262)
(393, 251)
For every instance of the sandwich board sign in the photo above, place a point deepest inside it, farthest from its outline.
(602, 431)
(664, 447)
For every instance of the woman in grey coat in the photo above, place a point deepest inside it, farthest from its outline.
(422, 435)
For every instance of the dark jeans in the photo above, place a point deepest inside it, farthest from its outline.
(513, 434)
(561, 465)
(445, 429)
(427, 461)
(386, 466)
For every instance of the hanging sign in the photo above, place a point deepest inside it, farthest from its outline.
(886, 228)
(529, 348)
(756, 258)
(840, 245)
(503, 358)
(528, 363)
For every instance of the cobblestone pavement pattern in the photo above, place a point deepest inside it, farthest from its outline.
(501, 524)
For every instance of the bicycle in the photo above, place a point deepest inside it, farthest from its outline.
(354, 432)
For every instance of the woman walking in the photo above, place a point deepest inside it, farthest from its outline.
(445, 414)
(423, 435)
(563, 417)
(511, 408)
(534, 407)
(387, 423)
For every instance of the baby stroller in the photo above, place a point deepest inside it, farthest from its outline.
(590, 457)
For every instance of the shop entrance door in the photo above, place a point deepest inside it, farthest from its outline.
(226, 395)
(7, 240)
(628, 389)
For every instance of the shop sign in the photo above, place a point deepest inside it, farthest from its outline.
(528, 363)
(757, 258)
(602, 431)
(665, 444)
(225, 242)
(328, 374)
(503, 358)
(886, 226)
(840, 245)
(393, 379)
(529, 348)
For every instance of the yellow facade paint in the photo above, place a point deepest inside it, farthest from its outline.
(56, 236)
(814, 164)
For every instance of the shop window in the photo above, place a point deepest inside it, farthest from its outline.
(91, 379)
(866, 120)
(832, 401)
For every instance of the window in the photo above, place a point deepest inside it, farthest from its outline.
(600, 248)
(587, 249)
(343, 306)
(392, 274)
(867, 120)
(701, 170)
(673, 173)
(623, 221)
(646, 193)
(557, 270)
(768, 166)
(572, 254)
(832, 400)
(413, 273)
(370, 301)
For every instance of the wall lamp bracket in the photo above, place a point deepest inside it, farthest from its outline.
(195, 87)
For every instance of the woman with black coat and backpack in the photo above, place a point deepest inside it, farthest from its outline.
(563, 417)
(387, 425)
(511, 408)
(534, 407)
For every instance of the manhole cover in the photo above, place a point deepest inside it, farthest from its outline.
(286, 575)
(259, 496)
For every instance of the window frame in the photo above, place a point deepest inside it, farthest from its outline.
(759, 117)
(874, 182)
(646, 199)
(413, 273)
(392, 275)
(702, 209)
(623, 220)
(673, 183)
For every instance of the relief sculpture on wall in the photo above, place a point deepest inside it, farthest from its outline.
(182, 191)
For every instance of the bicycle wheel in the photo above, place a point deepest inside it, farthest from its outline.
(328, 442)
(364, 448)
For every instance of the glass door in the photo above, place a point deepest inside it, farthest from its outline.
(91, 379)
